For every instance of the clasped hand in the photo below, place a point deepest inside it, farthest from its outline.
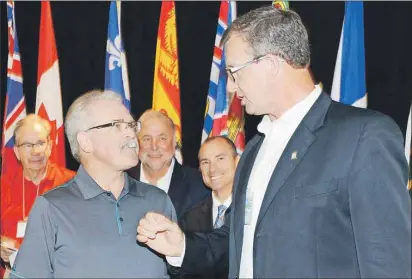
(161, 234)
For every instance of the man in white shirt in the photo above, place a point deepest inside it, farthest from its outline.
(158, 166)
(319, 192)
(218, 159)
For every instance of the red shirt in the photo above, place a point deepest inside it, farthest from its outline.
(12, 196)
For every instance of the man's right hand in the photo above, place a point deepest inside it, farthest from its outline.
(7, 248)
(161, 234)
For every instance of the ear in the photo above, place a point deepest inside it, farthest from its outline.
(49, 148)
(16, 152)
(84, 142)
(175, 141)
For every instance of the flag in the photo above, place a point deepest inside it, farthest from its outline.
(283, 5)
(224, 113)
(49, 99)
(166, 89)
(116, 78)
(408, 146)
(349, 83)
(15, 105)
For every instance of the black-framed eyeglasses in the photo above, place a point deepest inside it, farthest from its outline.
(120, 125)
(28, 146)
(233, 70)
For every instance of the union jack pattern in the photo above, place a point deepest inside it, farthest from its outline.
(224, 114)
(15, 105)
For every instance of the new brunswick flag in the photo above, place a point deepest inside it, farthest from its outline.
(166, 89)
(283, 5)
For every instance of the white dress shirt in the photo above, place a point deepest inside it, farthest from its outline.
(216, 204)
(164, 182)
(277, 135)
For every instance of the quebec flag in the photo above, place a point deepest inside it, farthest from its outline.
(349, 82)
(116, 78)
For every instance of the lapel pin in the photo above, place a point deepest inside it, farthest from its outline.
(294, 155)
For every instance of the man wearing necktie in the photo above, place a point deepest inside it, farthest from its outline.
(217, 160)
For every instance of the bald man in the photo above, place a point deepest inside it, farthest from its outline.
(158, 166)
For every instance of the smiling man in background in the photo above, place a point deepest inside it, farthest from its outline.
(218, 159)
(158, 167)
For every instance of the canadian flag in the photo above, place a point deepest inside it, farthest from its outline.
(49, 98)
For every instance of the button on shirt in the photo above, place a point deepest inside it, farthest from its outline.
(164, 182)
(79, 230)
(277, 135)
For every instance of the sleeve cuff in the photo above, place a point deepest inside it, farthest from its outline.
(177, 261)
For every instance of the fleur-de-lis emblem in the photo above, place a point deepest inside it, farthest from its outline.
(114, 51)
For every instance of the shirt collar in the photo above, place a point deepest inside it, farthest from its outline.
(216, 202)
(163, 180)
(90, 189)
(48, 176)
(294, 115)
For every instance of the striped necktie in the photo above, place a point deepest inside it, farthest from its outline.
(220, 219)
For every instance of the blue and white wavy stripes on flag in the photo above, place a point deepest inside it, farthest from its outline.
(349, 82)
(217, 106)
(116, 77)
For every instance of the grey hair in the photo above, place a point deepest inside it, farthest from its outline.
(150, 113)
(269, 30)
(31, 119)
(78, 114)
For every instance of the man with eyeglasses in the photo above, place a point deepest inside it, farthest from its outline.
(35, 176)
(86, 228)
(319, 192)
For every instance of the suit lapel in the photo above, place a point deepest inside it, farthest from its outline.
(206, 223)
(176, 189)
(241, 180)
(295, 150)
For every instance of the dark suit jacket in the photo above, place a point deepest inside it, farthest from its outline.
(200, 219)
(338, 210)
(186, 187)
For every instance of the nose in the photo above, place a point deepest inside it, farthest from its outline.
(129, 132)
(154, 145)
(231, 85)
(212, 168)
(36, 150)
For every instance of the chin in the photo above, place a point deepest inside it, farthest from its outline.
(38, 166)
(130, 163)
(249, 110)
(155, 167)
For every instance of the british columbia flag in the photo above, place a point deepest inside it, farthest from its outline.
(224, 114)
(15, 107)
